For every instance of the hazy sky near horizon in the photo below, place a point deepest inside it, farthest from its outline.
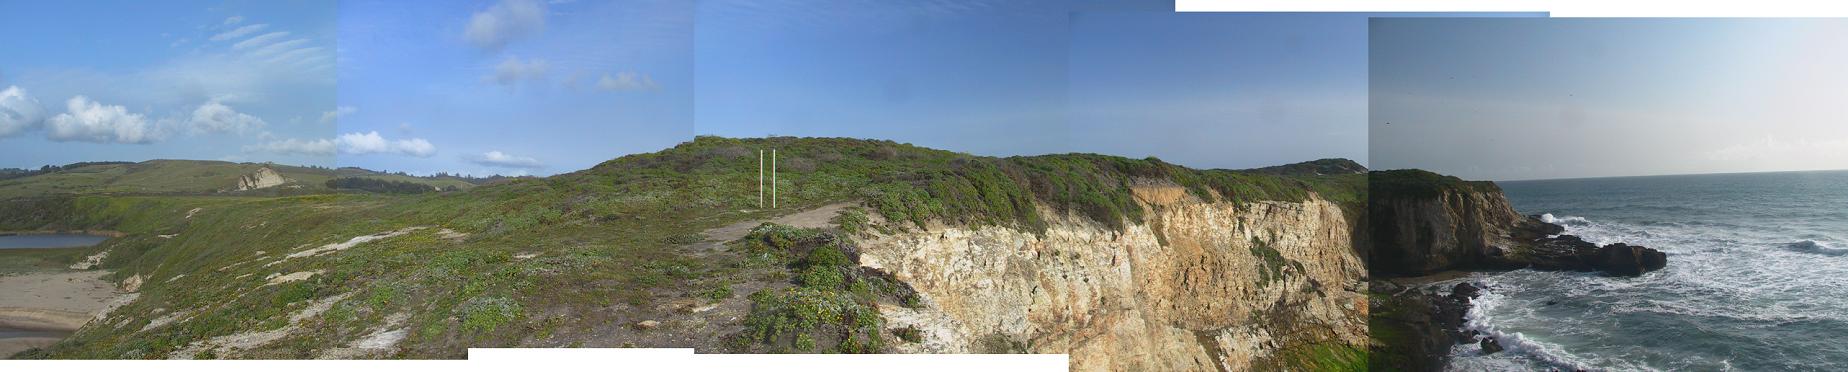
(1508, 99)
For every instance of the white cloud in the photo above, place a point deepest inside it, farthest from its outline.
(236, 19)
(503, 160)
(95, 122)
(260, 40)
(626, 81)
(504, 22)
(18, 111)
(239, 32)
(372, 143)
(214, 117)
(318, 147)
(337, 113)
(511, 71)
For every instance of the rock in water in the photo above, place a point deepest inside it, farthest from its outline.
(1463, 292)
(1490, 345)
(1629, 260)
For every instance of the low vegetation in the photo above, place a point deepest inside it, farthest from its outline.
(1421, 184)
(383, 186)
(557, 261)
(833, 305)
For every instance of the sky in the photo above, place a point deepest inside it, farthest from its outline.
(535, 87)
(1205, 90)
(95, 81)
(512, 86)
(1512, 99)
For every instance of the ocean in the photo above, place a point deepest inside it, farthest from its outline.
(1757, 278)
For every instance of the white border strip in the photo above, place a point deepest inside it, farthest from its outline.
(1558, 8)
(547, 360)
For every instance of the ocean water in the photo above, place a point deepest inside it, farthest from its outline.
(1757, 278)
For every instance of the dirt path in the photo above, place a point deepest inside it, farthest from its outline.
(681, 317)
(813, 218)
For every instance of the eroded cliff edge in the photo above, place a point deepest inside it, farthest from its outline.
(1427, 227)
(1197, 286)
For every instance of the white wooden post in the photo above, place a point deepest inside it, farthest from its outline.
(772, 178)
(760, 178)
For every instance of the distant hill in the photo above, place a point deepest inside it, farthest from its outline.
(187, 177)
(1320, 167)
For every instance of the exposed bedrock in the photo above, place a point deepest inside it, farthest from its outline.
(1197, 286)
(1425, 223)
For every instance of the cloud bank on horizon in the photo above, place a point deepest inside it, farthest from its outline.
(1509, 99)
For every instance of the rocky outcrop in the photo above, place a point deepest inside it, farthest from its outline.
(1424, 223)
(1567, 252)
(263, 178)
(1197, 286)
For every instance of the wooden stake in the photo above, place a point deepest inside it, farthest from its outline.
(760, 178)
(772, 178)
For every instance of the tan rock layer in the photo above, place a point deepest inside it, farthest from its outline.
(1193, 298)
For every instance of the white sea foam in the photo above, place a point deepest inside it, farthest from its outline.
(1519, 350)
(1564, 221)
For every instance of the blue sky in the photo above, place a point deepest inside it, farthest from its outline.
(542, 87)
(514, 87)
(1208, 90)
(89, 81)
(1506, 99)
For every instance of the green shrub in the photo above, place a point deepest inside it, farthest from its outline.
(487, 314)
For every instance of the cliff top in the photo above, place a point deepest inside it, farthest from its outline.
(1418, 183)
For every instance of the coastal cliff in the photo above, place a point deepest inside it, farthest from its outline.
(1200, 286)
(1425, 223)
(1427, 227)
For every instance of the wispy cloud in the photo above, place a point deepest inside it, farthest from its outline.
(627, 81)
(505, 22)
(260, 40)
(337, 113)
(318, 147)
(239, 32)
(512, 71)
(504, 160)
(373, 143)
(215, 117)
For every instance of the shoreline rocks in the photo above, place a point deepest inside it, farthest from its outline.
(1571, 253)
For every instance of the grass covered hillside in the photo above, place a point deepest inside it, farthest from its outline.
(1421, 184)
(191, 177)
(609, 256)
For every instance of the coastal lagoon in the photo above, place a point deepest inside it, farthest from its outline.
(1757, 277)
(49, 241)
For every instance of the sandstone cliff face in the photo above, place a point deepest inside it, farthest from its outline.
(262, 178)
(1198, 286)
(1457, 228)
